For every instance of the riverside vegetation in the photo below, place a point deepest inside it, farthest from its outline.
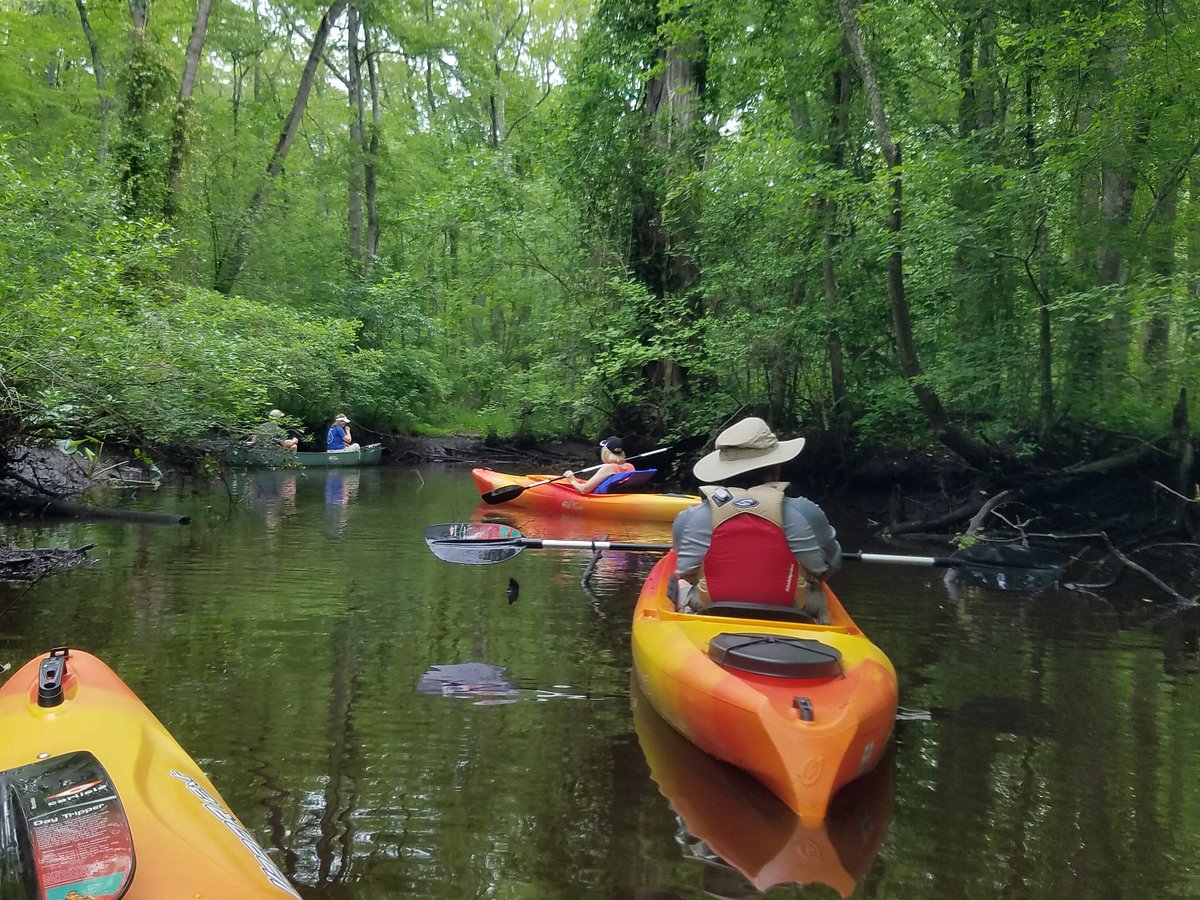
(967, 226)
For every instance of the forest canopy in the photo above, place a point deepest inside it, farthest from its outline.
(896, 222)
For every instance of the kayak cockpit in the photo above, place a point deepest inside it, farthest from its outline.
(758, 611)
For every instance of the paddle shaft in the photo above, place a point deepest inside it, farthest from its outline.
(551, 544)
(937, 561)
(996, 574)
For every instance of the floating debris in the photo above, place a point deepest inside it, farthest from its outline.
(486, 684)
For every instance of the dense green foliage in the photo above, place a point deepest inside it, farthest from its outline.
(544, 217)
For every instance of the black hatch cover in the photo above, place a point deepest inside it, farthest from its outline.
(776, 656)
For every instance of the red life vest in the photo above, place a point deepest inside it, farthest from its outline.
(748, 558)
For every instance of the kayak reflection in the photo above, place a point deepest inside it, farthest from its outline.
(730, 821)
(565, 526)
(605, 575)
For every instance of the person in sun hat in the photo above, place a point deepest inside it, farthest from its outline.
(338, 439)
(612, 455)
(270, 434)
(748, 542)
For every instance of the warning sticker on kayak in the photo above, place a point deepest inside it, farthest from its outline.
(75, 827)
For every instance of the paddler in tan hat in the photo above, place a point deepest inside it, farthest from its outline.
(747, 542)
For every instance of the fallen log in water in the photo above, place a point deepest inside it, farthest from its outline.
(67, 509)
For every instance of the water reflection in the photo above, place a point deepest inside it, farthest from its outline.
(341, 487)
(563, 526)
(279, 495)
(1055, 751)
(602, 573)
(270, 492)
(731, 822)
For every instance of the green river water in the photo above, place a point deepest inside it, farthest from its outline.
(1047, 747)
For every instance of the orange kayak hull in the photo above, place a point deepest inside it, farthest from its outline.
(802, 737)
(560, 497)
(187, 843)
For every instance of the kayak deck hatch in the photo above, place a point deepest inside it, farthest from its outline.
(776, 656)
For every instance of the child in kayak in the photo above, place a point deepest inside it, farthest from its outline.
(612, 455)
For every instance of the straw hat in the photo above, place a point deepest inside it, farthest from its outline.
(748, 445)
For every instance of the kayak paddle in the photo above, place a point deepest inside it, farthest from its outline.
(998, 567)
(509, 492)
(1001, 567)
(484, 543)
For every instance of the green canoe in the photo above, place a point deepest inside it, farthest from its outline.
(252, 456)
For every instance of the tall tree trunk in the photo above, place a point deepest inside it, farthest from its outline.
(257, 56)
(372, 161)
(841, 91)
(1101, 357)
(1036, 272)
(496, 101)
(183, 109)
(231, 264)
(354, 94)
(139, 14)
(138, 163)
(106, 102)
(661, 260)
(1162, 265)
(910, 364)
(429, 63)
(1193, 231)
(968, 116)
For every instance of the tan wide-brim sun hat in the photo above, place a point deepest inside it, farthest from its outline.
(748, 445)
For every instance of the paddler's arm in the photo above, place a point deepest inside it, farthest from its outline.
(812, 539)
(691, 534)
(586, 487)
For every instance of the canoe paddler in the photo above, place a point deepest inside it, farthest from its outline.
(748, 542)
(338, 439)
(612, 455)
(271, 435)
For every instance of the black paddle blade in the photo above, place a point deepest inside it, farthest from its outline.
(690, 444)
(503, 494)
(1008, 567)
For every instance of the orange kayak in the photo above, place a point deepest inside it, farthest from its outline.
(561, 497)
(744, 826)
(97, 799)
(804, 708)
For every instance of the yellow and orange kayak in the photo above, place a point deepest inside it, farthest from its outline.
(804, 708)
(561, 497)
(98, 800)
(735, 821)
